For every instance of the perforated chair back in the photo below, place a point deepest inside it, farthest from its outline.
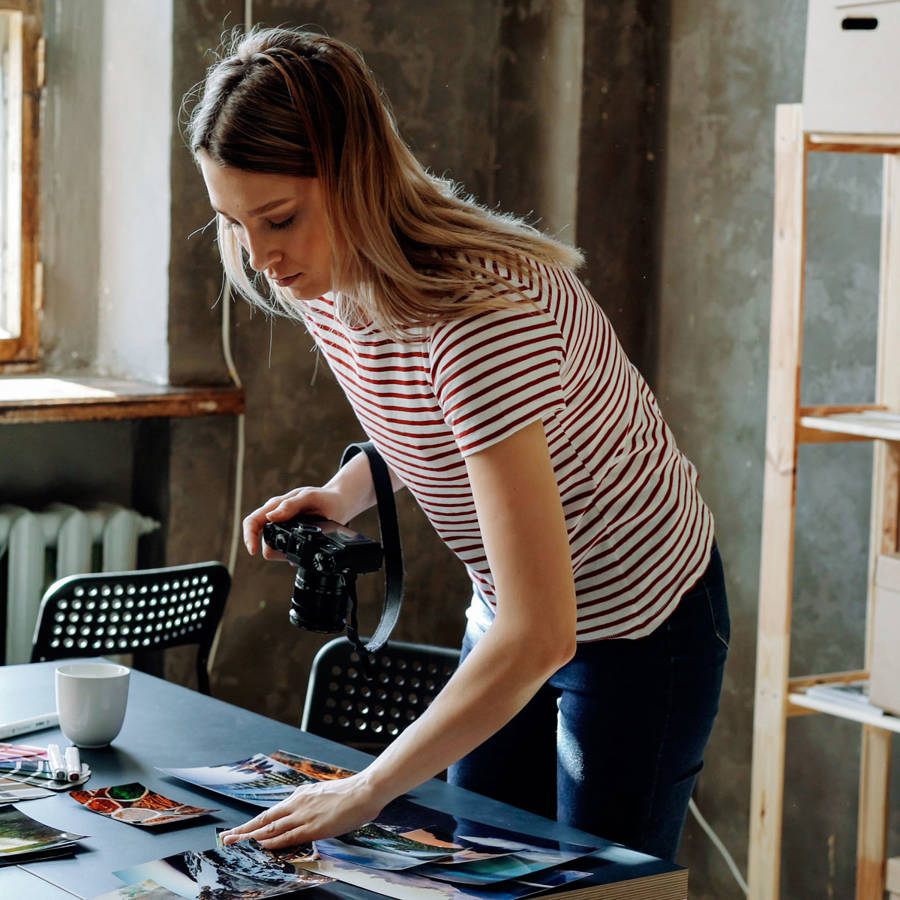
(342, 705)
(133, 612)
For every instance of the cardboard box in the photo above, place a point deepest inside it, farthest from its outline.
(884, 676)
(892, 880)
(852, 67)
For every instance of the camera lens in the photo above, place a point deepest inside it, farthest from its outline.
(320, 602)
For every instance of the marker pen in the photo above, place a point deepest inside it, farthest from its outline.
(73, 763)
(57, 766)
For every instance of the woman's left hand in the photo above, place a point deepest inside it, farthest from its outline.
(312, 812)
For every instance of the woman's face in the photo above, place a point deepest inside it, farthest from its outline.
(280, 222)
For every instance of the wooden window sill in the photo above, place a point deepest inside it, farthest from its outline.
(57, 398)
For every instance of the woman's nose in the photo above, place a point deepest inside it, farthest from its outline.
(261, 253)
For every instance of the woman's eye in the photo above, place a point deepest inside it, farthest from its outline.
(284, 223)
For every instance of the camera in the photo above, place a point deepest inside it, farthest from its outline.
(328, 557)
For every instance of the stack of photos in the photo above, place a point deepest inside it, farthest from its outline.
(410, 851)
(23, 839)
(29, 765)
(261, 780)
(413, 851)
(239, 872)
(137, 805)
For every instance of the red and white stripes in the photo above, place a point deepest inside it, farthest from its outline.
(640, 533)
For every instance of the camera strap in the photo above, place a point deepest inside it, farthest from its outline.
(390, 542)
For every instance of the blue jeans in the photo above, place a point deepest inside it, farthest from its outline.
(613, 741)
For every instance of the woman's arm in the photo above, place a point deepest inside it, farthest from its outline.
(533, 634)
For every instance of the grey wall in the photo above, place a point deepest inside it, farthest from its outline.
(731, 62)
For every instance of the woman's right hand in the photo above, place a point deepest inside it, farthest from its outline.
(321, 501)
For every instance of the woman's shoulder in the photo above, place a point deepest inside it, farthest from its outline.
(514, 277)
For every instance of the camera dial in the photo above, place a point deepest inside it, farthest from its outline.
(323, 562)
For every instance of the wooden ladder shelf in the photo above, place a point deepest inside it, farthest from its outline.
(778, 696)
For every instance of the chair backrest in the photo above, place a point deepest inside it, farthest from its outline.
(132, 612)
(342, 705)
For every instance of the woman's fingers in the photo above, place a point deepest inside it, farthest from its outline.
(257, 823)
(284, 831)
(253, 523)
(289, 838)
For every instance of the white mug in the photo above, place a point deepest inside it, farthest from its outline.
(91, 699)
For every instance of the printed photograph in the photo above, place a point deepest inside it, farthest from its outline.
(239, 872)
(405, 817)
(380, 848)
(314, 768)
(20, 834)
(490, 871)
(461, 852)
(298, 853)
(137, 805)
(408, 885)
(259, 780)
(146, 890)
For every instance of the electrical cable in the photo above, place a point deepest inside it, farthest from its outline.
(717, 843)
(236, 379)
(241, 431)
(240, 437)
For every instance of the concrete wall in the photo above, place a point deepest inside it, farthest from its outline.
(731, 62)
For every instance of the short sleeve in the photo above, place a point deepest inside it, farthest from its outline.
(496, 372)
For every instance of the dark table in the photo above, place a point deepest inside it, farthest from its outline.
(170, 726)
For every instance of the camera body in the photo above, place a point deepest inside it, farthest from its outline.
(328, 557)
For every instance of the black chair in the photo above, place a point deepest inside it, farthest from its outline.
(344, 706)
(133, 612)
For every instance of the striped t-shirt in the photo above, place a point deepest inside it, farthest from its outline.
(639, 532)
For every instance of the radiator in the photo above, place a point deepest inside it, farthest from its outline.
(29, 541)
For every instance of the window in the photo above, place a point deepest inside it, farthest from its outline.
(21, 77)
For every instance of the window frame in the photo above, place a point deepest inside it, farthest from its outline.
(23, 351)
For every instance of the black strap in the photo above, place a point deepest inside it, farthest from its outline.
(390, 542)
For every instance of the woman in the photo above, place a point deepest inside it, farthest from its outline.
(495, 389)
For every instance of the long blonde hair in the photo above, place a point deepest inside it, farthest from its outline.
(411, 244)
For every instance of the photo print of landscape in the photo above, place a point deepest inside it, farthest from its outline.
(145, 890)
(262, 780)
(239, 872)
(23, 839)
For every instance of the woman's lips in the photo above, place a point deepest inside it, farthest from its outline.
(288, 280)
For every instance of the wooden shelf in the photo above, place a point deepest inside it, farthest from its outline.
(57, 398)
(778, 696)
(845, 711)
(873, 424)
(853, 143)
